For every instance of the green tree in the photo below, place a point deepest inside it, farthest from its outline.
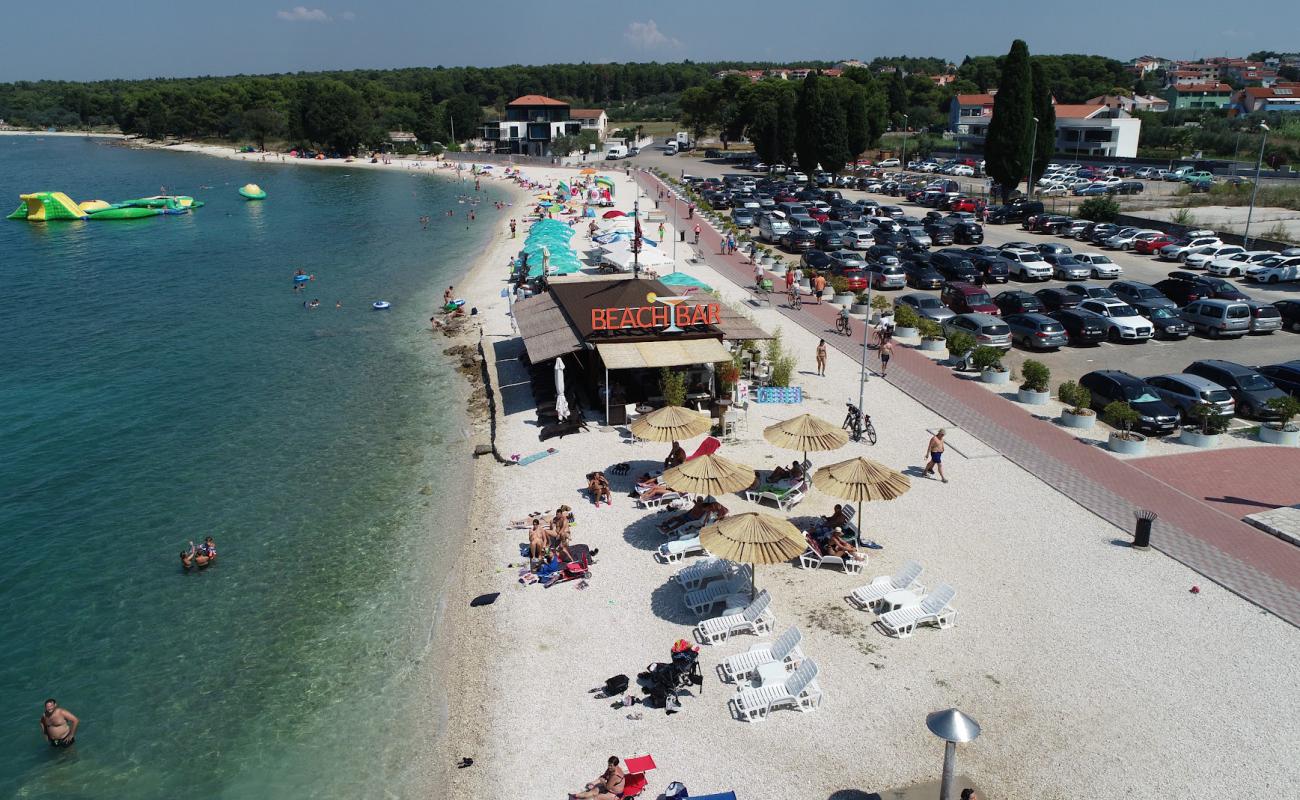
(1044, 142)
(263, 122)
(832, 132)
(877, 105)
(811, 112)
(464, 116)
(1006, 146)
(772, 120)
(698, 111)
(332, 114)
(856, 123)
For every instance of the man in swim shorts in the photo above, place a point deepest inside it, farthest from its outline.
(59, 725)
(935, 451)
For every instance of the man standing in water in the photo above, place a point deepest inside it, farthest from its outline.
(59, 724)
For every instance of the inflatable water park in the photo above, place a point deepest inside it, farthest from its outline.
(56, 206)
(251, 191)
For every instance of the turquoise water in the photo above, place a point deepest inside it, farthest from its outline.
(161, 382)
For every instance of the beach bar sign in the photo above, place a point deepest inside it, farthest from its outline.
(663, 312)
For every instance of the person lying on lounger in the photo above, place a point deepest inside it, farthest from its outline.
(834, 545)
(675, 456)
(697, 512)
(654, 491)
(782, 474)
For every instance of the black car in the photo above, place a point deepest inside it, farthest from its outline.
(1249, 387)
(1056, 299)
(1015, 301)
(1054, 248)
(1081, 327)
(1013, 211)
(1290, 311)
(815, 259)
(1101, 232)
(829, 240)
(967, 233)
(1211, 286)
(1180, 291)
(955, 265)
(1285, 376)
(891, 238)
(1166, 322)
(922, 274)
(991, 269)
(986, 250)
(881, 254)
(1144, 297)
(798, 239)
(940, 233)
(1109, 385)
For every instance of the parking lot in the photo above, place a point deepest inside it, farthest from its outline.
(1143, 359)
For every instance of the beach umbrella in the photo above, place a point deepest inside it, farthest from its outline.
(586, 171)
(753, 539)
(613, 213)
(561, 402)
(670, 424)
(709, 475)
(860, 479)
(806, 432)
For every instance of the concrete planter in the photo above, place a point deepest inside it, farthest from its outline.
(995, 377)
(1267, 433)
(1032, 398)
(860, 308)
(804, 283)
(765, 260)
(1136, 444)
(933, 345)
(1079, 421)
(846, 299)
(1197, 439)
(778, 268)
(906, 333)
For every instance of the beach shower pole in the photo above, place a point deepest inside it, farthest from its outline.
(954, 728)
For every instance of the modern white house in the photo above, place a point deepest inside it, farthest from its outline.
(592, 119)
(1086, 130)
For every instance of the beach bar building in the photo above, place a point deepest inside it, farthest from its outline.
(616, 333)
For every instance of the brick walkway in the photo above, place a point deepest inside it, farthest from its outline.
(1237, 481)
(1254, 565)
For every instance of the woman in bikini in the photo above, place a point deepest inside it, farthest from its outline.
(821, 358)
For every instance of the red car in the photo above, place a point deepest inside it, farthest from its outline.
(963, 204)
(1148, 247)
(818, 214)
(855, 278)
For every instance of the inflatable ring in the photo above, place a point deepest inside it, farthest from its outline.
(381, 305)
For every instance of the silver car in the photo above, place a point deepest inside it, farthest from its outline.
(1185, 391)
(1216, 318)
(1264, 317)
(886, 276)
(1102, 266)
(986, 328)
(858, 238)
(1068, 268)
(927, 306)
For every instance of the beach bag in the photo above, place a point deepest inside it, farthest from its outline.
(676, 791)
(616, 685)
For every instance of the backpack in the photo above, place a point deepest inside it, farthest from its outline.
(616, 685)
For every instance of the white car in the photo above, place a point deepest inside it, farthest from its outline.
(1102, 266)
(1027, 265)
(964, 170)
(1053, 190)
(888, 162)
(1235, 266)
(798, 177)
(1178, 252)
(1201, 257)
(1121, 320)
(1276, 270)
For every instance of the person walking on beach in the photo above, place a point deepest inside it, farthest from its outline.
(609, 786)
(886, 352)
(59, 725)
(512, 229)
(934, 450)
(819, 286)
(821, 358)
(661, 233)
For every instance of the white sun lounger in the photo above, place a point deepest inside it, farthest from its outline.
(697, 574)
(799, 689)
(784, 649)
(936, 608)
(866, 597)
(783, 500)
(756, 618)
(813, 558)
(678, 549)
(703, 600)
(663, 500)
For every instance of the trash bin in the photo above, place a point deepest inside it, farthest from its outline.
(1142, 534)
(681, 236)
(720, 407)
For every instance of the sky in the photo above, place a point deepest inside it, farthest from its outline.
(92, 39)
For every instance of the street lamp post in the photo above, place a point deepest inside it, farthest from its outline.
(954, 728)
(902, 162)
(1245, 236)
(1033, 149)
(636, 239)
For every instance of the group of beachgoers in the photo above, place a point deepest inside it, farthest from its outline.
(829, 535)
(200, 556)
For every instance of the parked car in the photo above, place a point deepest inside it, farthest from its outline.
(1168, 322)
(992, 269)
(1141, 296)
(1249, 388)
(1235, 265)
(815, 259)
(1264, 318)
(1036, 331)
(743, 217)
(987, 329)
(1122, 321)
(886, 276)
(846, 259)
(1075, 229)
(1027, 265)
(888, 162)
(1285, 376)
(1081, 327)
(882, 254)
(1125, 238)
(927, 305)
(1200, 257)
(1018, 302)
(917, 237)
(1185, 392)
(1218, 318)
(1053, 248)
(1275, 270)
(922, 275)
(1181, 292)
(798, 240)
(1099, 265)
(1211, 286)
(1086, 290)
(940, 232)
(1290, 311)
(1013, 211)
(1148, 247)
(955, 265)
(1067, 268)
(1178, 251)
(858, 238)
(1055, 299)
(967, 298)
(967, 233)
(1109, 385)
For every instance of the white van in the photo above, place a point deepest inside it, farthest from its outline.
(670, 149)
(772, 226)
(615, 151)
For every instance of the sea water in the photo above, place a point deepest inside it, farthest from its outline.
(161, 381)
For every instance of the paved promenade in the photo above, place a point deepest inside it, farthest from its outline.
(1193, 527)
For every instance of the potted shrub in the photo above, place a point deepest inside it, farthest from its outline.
(1209, 424)
(988, 362)
(840, 294)
(880, 305)
(1078, 399)
(960, 345)
(1034, 388)
(931, 335)
(1122, 416)
(779, 266)
(765, 256)
(906, 321)
(860, 304)
(1282, 431)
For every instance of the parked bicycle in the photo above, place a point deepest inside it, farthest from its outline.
(858, 424)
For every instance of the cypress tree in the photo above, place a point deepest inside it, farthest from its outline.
(856, 123)
(1006, 147)
(832, 130)
(1045, 142)
(810, 112)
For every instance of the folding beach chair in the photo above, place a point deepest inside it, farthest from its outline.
(634, 782)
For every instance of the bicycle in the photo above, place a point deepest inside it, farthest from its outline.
(844, 325)
(857, 424)
(796, 299)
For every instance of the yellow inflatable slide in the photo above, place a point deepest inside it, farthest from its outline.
(46, 206)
